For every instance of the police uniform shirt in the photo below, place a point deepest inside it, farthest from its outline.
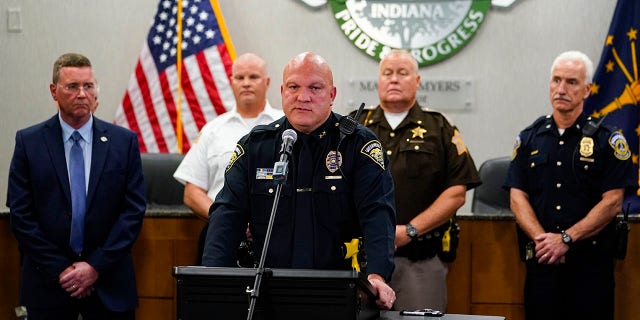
(427, 155)
(566, 175)
(352, 196)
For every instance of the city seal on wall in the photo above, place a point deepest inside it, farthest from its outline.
(432, 30)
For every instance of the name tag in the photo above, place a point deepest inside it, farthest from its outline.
(264, 173)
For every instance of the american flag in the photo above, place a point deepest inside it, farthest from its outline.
(167, 112)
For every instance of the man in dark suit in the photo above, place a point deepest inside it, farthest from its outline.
(76, 198)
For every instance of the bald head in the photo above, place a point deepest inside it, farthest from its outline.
(313, 63)
(250, 58)
(307, 91)
(250, 83)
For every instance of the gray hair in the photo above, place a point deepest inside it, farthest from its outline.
(576, 56)
(405, 53)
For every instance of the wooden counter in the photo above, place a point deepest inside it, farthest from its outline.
(487, 278)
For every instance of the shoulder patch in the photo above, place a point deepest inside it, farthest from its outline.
(237, 153)
(459, 142)
(373, 150)
(516, 146)
(619, 145)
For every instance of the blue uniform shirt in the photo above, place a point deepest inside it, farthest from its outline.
(566, 175)
(353, 196)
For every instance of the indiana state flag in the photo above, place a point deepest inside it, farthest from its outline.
(616, 91)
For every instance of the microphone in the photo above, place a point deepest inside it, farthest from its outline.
(289, 137)
(280, 171)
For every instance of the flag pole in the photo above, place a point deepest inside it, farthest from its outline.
(179, 129)
(223, 29)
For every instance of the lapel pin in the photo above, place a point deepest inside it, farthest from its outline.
(103, 139)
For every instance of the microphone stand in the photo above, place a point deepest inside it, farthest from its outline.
(280, 175)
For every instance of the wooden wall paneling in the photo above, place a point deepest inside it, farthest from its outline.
(509, 311)
(9, 271)
(153, 255)
(156, 309)
(459, 277)
(628, 278)
(153, 260)
(186, 244)
(498, 273)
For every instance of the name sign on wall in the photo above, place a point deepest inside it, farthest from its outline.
(440, 94)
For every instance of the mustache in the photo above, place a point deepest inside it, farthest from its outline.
(561, 97)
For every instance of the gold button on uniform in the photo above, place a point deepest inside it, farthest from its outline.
(333, 188)
(558, 185)
(392, 134)
(389, 152)
(559, 163)
(416, 147)
(561, 142)
(558, 207)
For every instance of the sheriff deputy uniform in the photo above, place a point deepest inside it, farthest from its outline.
(427, 155)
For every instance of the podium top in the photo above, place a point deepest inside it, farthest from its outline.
(278, 273)
(285, 294)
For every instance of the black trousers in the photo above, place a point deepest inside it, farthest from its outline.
(582, 288)
(91, 308)
(201, 241)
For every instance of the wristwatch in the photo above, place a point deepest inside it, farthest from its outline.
(412, 232)
(566, 238)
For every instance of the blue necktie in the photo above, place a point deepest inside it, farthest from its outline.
(78, 193)
(303, 233)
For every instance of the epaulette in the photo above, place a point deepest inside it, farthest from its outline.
(273, 126)
(428, 109)
(538, 122)
(262, 128)
(444, 115)
(610, 127)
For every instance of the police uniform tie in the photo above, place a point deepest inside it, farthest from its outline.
(303, 233)
(78, 193)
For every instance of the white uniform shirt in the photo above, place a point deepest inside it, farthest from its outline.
(207, 159)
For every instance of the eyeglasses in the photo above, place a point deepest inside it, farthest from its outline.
(89, 88)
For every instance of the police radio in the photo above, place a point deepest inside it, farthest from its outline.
(348, 125)
(591, 127)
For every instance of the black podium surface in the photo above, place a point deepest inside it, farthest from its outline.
(220, 293)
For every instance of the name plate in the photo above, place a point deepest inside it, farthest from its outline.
(440, 94)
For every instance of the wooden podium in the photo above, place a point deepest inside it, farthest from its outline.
(220, 293)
